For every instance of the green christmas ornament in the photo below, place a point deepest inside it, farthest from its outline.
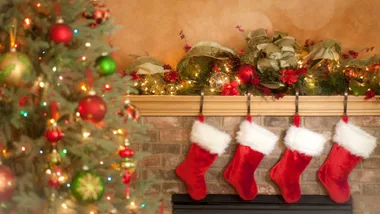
(106, 64)
(13, 66)
(87, 187)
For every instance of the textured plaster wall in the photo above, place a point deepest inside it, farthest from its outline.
(152, 26)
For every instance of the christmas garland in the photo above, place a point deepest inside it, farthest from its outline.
(275, 66)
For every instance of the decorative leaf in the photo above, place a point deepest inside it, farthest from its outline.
(357, 88)
(273, 85)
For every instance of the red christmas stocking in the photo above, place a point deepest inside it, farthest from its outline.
(207, 144)
(301, 145)
(254, 142)
(352, 144)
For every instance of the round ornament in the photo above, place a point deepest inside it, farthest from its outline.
(130, 112)
(100, 16)
(218, 80)
(53, 134)
(87, 187)
(13, 66)
(7, 183)
(245, 73)
(127, 177)
(61, 33)
(107, 65)
(92, 108)
(126, 152)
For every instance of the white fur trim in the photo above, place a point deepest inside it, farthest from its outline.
(354, 139)
(256, 137)
(304, 141)
(209, 138)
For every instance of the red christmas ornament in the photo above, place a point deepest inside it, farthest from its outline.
(100, 16)
(92, 108)
(54, 134)
(54, 183)
(127, 177)
(7, 183)
(126, 152)
(245, 72)
(61, 33)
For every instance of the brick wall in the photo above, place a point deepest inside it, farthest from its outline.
(170, 142)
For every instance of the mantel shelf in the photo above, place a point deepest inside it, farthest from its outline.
(237, 105)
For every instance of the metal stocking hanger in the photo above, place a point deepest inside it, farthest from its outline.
(201, 104)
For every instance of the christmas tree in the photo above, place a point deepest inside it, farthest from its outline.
(66, 123)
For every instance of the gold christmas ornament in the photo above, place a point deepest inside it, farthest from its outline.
(13, 67)
(218, 80)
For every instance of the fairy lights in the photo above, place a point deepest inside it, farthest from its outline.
(27, 21)
(86, 134)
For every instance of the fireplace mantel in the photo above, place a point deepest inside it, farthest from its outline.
(266, 106)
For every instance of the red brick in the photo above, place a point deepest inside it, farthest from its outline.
(268, 162)
(174, 187)
(214, 175)
(371, 189)
(366, 204)
(187, 122)
(163, 122)
(309, 175)
(221, 162)
(356, 189)
(167, 175)
(366, 120)
(371, 163)
(262, 176)
(150, 161)
(172, 161)
(216, 122)
(311, 189)
(278, 122)
(220, 188)
(327, 123)
(174, 135)
(162, 148)
(268, 189)
(368, 176)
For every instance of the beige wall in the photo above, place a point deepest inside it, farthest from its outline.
(152, 26)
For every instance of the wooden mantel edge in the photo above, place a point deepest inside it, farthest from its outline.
(237, 105)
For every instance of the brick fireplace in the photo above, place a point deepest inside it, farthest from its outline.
(170, 142)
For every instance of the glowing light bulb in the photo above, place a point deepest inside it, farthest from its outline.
(108, 198)
(64, 206)
(76, 31)
(83, 87)
(42, 84)
(60, 77)
(23, 149)
(88, 44)
(86, 134)
(101, 162)
(109, 178)
(41, 151)
(48, 171)
(68, 185)
(54, 69)
(27, 21)
(84, 58)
